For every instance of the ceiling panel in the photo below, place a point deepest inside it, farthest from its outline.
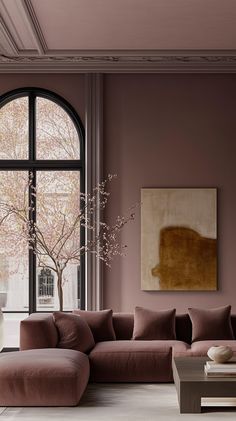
(137, 24)
(14, 17)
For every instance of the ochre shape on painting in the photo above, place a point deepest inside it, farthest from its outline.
(187, 260)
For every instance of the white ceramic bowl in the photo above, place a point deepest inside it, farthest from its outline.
(220, 354)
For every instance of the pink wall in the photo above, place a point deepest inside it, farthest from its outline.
(70, 87)
(170, 131)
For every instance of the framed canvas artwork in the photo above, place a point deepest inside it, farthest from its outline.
(179, 239)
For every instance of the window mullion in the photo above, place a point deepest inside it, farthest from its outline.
(32, 126)
(32, 199)
(32, 256)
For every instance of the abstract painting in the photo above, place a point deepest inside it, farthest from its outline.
(179, 239)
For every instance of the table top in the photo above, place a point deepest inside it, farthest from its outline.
(191, 369)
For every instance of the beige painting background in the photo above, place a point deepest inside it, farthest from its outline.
(161, 208)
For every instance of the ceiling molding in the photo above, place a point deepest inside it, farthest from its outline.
(121, 62)
(7, 41)
(34, 26)
(23, 49)
(19, 56)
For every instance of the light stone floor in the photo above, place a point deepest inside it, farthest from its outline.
(115, 402)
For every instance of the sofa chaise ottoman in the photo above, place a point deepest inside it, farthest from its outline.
(43, 377)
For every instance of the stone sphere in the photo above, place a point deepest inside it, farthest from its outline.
(220, 354)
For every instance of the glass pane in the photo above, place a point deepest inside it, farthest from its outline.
(58, 205)
(14, 129)
(56, 135)
(11, 329)
(13, 247)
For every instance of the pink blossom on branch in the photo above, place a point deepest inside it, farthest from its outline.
(55, 236)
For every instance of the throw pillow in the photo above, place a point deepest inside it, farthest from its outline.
(100, 323)
(214, 323)
(154, 325)
(74, 332)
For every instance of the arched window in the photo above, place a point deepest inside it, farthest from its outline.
(41, 137)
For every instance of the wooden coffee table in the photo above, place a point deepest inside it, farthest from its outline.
(192, 384)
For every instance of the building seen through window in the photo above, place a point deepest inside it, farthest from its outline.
(46, 287)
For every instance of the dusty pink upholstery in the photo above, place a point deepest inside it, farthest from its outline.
(124, 359)
(213, 323)
(179, 348)
(154, 325)
(43, 377)
(131, 361)
(73, 331)
(100, 323)
(199, 349)
(38, 331)
(123, 325)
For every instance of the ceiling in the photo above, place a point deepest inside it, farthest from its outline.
(98, 35)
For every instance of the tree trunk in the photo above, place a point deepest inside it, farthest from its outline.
(60, 290)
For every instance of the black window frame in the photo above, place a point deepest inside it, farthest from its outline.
(32, 165)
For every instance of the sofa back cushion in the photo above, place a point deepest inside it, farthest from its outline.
(73, 331)
(154, 325)
(213, 323)
(100, 323)
(184, 327)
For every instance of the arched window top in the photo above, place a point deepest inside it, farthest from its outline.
(38, 124)
(56, 135)
(14, 130)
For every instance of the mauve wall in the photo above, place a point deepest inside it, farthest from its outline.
(170, 131)
(161, 131)
(70, 87)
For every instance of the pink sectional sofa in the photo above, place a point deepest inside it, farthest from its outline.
(62, 352)
(124, 359)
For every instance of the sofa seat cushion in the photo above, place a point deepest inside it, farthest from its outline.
(200, 348)
(179, 348)
(133, 361)
(43, 377)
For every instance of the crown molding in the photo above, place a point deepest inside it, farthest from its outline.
(15, 57)
(120, 62)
